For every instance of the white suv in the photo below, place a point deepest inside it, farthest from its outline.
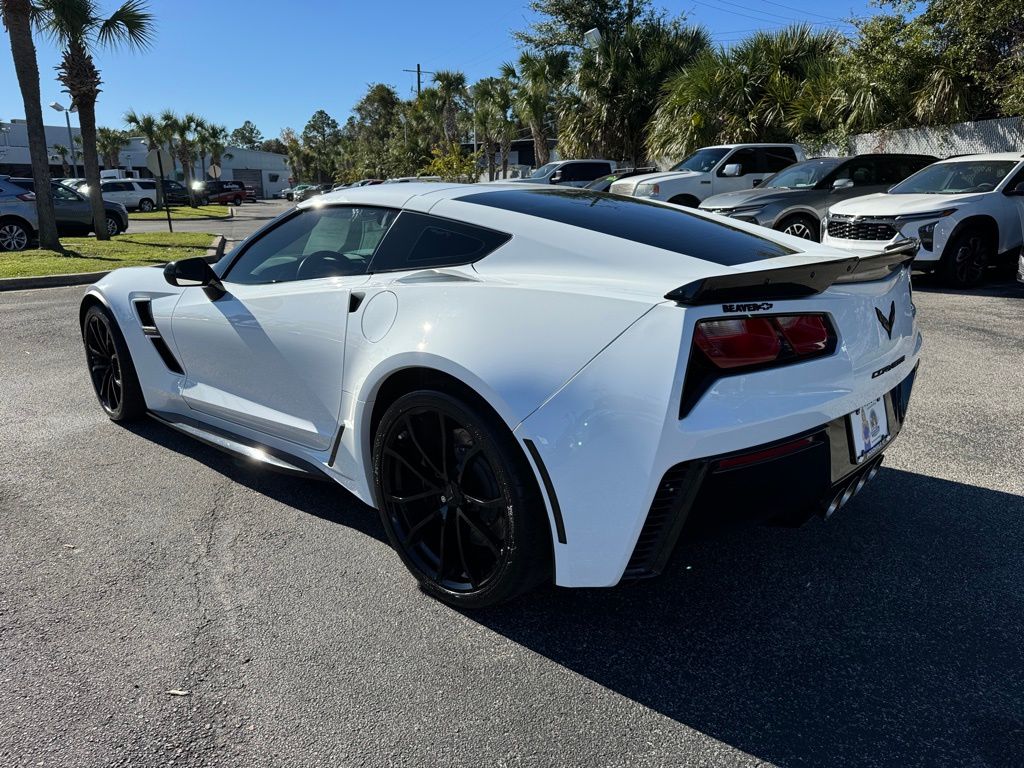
(966, 212)
(131, 193)
(711, 171)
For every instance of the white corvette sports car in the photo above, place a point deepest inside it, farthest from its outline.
(527, 382)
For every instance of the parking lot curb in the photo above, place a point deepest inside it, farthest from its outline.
(213, 254)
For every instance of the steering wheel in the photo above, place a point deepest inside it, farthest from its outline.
(986, 186)
(326, 264)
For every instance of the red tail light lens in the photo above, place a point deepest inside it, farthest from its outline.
(749, 341)
(738, 343)
(806, 334)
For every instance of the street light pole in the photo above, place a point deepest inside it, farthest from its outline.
(71, 139)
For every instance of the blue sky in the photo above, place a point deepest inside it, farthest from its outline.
(276, 63)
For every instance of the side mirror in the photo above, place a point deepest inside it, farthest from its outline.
(839, 184)
(733, 169)
(1017, 191)
(757, 182)
(556, 177)
(194, 272)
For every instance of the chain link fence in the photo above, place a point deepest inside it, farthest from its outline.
(1004, 134)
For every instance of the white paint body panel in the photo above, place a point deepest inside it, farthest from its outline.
(563, 331)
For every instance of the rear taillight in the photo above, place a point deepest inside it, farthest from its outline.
(744, 342)
(28, 197)
(726, 346)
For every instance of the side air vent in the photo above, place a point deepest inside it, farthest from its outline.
(144, 309)
(665, 520)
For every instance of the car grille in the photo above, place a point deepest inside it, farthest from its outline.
(865, 229)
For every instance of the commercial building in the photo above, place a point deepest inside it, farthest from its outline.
(267, 172)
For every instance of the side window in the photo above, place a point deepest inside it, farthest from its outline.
(774, 159)
(147, 184)
(573, 172)
(747, 159)
(60, 192)
(862, 170)
(317, 242)
(419, 241)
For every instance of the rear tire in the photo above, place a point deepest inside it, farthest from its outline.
(237, 201)
(146, 205)
(800, 226)
(458, 500)
(110, 366)
(14, 236)
(966, 258)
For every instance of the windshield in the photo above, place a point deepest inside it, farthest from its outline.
(702, 160)
(803, 175)
(543, 171)
(956, 177)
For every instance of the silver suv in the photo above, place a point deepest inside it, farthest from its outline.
(19, 221)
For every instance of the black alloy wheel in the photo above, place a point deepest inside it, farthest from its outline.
(456, 501)
(966, 258)
(110, 367)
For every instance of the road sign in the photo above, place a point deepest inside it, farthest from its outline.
(157, 157)
(213, 171)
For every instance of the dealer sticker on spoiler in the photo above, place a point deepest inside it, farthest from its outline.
(869, 427)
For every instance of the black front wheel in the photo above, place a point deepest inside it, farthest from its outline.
(966, 258)
(458, 501)
(110, 367)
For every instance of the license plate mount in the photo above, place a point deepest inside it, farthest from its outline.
(869, 429)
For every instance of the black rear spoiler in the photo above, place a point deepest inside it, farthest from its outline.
(794, 282)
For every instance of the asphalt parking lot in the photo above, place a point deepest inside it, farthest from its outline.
(135, 563)
(247, 219)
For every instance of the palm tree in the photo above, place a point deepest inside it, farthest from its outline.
(451, 88)
(211, 140)
(109, 143)
(538, 78)
(77, 26)
(616, 88)
(17, 19)
(182, 131)
(486, 119)
(63, 152)
(152, 132)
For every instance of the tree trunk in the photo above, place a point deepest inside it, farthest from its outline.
(17, 19)
(506, 150)
(540, 145)
(87, 121)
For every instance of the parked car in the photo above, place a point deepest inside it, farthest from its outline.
(176, 193)
(965, 212)
(711, 171)
(366, 182)
(519, 401)
(569, 173)
(297, 189)
(133, 194)
(603, 183)
(250, 193)
(225, 192)
(795, 199)
(409, 179)
(19, 220)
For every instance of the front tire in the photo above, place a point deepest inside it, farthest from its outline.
(458, 501)
(966, 258)
(146, 205)
(237, 201)
(14, 236)
(110, 367)
(113, 226)
(687, 201)
(800, 226)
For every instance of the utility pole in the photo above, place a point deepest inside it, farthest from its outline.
(419, 77)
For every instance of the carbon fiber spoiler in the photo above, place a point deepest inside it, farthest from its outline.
(794, 282)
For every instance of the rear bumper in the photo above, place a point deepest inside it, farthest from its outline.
(786, 481)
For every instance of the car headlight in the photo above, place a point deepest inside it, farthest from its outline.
(647, 190)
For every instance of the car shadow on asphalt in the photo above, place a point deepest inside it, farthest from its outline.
(889, 635)
(325, 500)
(1000, 283)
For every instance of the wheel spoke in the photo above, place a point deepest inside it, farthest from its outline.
(398, 457)
(470, 455)
(442, 548)
(485, 534)
(414, 497)
(423, 453)
(416, 532)
(444, 446)
(462, 556)
(496, 503)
